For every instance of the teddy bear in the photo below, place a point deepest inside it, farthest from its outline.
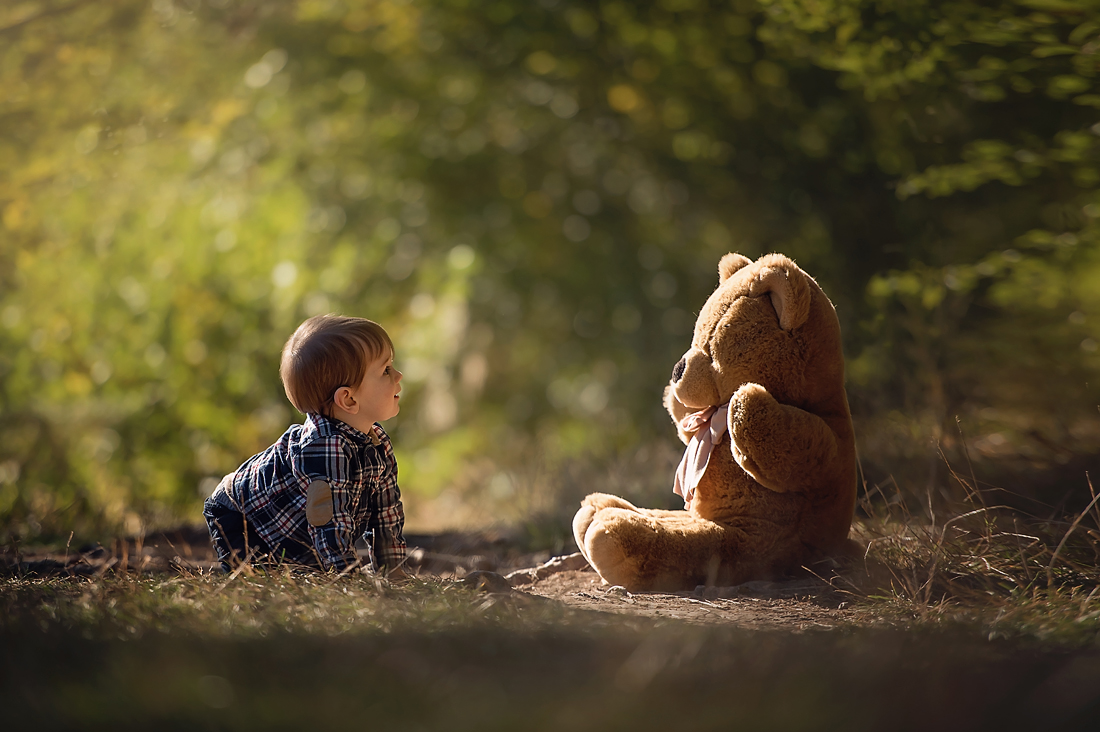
(769, 474)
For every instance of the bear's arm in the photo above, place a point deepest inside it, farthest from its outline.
(782, 447)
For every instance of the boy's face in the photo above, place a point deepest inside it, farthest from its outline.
(375, 399)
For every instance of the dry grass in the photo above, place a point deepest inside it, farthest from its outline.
(984, 566)
(253, 601)
(993, 620)
(280, 650)
(980, 563)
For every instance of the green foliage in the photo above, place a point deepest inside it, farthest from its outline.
(532, 197)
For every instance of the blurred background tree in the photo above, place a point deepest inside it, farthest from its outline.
(533, 197)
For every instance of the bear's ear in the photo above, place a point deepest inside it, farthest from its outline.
(730, 264)
(788, 288)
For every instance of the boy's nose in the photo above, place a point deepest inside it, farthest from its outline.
(399, 375)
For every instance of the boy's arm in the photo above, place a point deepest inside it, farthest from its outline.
(331, 514)
(387, 516)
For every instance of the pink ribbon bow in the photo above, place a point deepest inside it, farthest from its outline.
(708, 425)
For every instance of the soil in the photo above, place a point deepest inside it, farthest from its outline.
(794, 605)
(488, 563)
(685, 653)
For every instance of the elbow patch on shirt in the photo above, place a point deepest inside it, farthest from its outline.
(318, 503)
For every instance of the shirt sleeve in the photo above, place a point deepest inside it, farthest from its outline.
(328, 459)
(387, 515)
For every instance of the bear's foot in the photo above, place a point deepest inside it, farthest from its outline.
(590, 506)
(603, 549)
(647, 549)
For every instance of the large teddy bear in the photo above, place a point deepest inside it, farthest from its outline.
(769, 475)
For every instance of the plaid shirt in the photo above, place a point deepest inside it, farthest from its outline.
(270, 490)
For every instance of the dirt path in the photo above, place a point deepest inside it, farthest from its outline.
(796, 605)
(489, 563)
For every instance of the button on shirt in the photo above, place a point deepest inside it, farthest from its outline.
(270, 489)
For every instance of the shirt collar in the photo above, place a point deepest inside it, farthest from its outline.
(327, 426)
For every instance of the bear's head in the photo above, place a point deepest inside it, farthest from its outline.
(767, 323)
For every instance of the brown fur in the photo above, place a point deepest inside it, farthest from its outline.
(779, 490)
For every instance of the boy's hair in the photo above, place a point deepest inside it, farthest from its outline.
(325, 353)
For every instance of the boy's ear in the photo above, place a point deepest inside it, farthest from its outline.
(343, 399)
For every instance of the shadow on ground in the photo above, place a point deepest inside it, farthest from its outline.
(762, 656)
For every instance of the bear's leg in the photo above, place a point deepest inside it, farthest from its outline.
(581, 521)
(667, 550)
(606, 500)
(589, 506)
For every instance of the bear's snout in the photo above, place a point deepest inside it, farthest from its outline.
(693, 380)
(678, 370)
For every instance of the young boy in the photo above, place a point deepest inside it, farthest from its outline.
(327, 482)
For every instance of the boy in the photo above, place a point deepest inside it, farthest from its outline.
(331, 480)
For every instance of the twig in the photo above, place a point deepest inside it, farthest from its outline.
(173, 548)
(966, 452)
(900, 497)
(868, 494)
(1032, 542)
(244, 565)
(961, 516)
(865, 502)
(18, 555)
(139, 549)
(350, 568)
(1062, 543)
(102, 571)
(1087, 600)
(1092, 492)
(1020, 549)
